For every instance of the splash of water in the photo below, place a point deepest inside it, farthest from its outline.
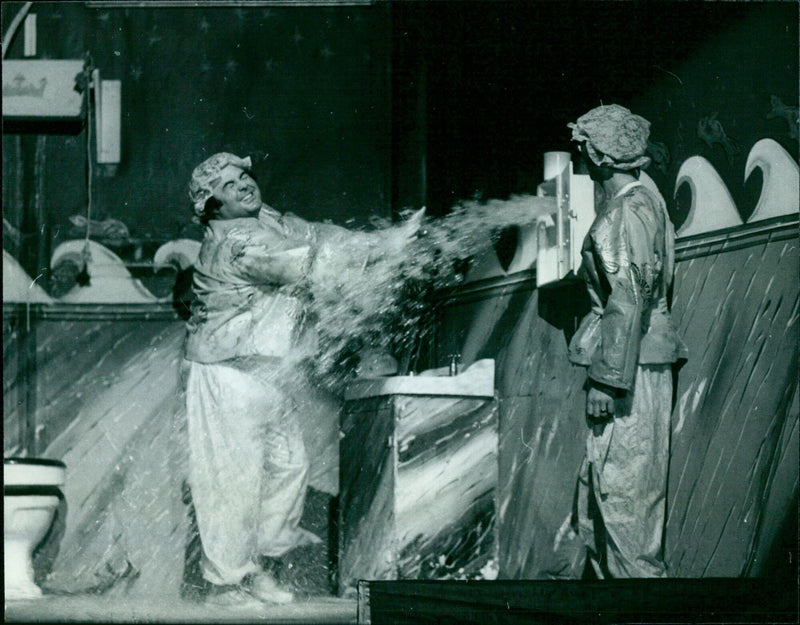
(387, 304)
(129, 527)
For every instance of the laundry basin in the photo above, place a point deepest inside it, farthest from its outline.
(418, 477)
(477, 380)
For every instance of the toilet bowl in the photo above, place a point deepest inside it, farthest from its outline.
(31, 495)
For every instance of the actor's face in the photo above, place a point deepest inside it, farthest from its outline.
(598, 173)
(238, 193)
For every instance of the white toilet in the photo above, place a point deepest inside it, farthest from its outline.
(31, 495)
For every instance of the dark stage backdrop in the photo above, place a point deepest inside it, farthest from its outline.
(352, 111)
(305, 91)
(505, 78)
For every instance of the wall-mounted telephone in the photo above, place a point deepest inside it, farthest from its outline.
(560, 235)
(45, 90)
(108, 119)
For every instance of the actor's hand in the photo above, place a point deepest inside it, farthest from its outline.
(600, 401)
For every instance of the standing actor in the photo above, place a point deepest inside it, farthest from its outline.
(628, 343)
(248, 467)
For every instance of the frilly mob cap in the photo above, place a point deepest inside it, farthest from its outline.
(205, 177)
(614, 136)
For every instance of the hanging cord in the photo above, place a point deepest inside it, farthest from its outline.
(83, 277)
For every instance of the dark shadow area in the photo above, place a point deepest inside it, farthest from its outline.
(711, 600)
(563, 305)
(308, 571)
(69, 127)
(679, 209)
(676, 367)
(182, 294)
(751, 192)
(47, 550)
(506, 246)
(333, 543)
(781, 563)
(194, 587)
(503, 330)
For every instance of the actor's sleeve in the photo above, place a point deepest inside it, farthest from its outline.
(264, 257)
(336, 244)
(614, 241)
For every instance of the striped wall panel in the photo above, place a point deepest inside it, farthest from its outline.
(733, 472)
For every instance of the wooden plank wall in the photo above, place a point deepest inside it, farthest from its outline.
(733, 479)
(105, 396)
(70, 363)
(541, 435)
(736, 305)
(733, 475)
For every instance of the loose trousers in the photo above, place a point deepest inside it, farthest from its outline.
(622, 487)
(248, 468)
